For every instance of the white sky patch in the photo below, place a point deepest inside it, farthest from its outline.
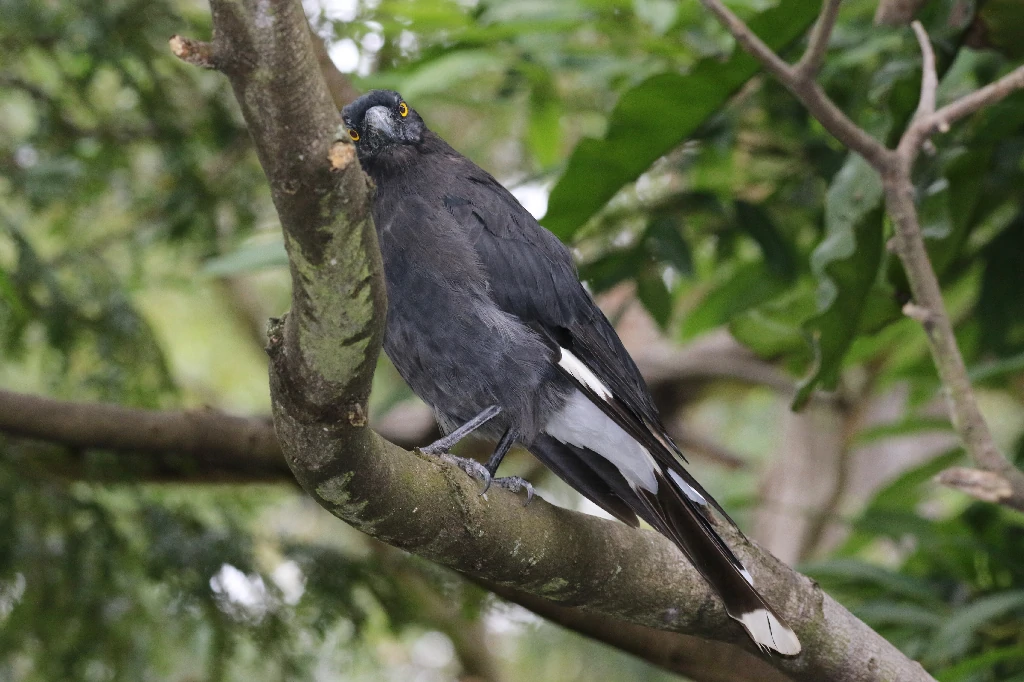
(246, 593)
(588, 507)
(345, 55)
(340, 10)
(408, 42)
(432, 649)
(290, 580)
(10, 594)
(623, 239)
(503, 618)
(533, 196)
(372, 42)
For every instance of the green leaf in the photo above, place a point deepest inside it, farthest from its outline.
(544, 131)
(248, 258)
(905, 427)
(664, 242)
(611, 268)
(846, 263)
(652, 292)
(888, 612)
(982, 663)
(1002, 26)
(955, 636)
(856, 571)
(905, 491)
(442, 74)
(966, 177)
(656, 116)
(997, 368)
(746, 286)
(9, 293)
(778, 253)
(1000, 307)
(775, 328)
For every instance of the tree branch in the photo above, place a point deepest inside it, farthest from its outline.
(810, 64)
(215, 445)
(802, 85)
(928, 307)
(693, 657)
(895, 167)
(929, 76)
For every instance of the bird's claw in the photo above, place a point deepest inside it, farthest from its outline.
(478, 471)
(473, 468)
(514, 484)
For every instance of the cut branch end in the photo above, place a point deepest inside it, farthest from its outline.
(986, 486)
(194, 52)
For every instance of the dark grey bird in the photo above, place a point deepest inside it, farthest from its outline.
(488, 323)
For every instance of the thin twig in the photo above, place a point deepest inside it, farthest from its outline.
(979, 99)
(808, 92)
(929, 76)
(895, 167)
(810, 64)
(983, 485)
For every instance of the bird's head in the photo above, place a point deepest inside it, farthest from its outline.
(379, 121)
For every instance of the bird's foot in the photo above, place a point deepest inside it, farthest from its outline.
(478, 471)
(436, 449)
(513, 484)
(473, 468)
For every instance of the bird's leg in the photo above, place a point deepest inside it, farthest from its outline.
(440, 447)
(513, 483)
(504, 445)
(444, 444)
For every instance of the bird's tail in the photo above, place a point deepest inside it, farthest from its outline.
(680, 512)
(679, 509)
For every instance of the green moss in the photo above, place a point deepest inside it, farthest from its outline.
(340, 307)
(334, 492)
(553, 586)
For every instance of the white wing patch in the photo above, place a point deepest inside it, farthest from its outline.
(583, 424)
(766, 630)
(581, 373)
(688, 489)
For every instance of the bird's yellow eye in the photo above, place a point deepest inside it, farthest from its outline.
(403, 109)
(354, 135)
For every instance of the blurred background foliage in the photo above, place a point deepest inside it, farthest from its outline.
(140, 257)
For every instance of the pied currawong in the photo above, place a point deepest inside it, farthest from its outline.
(488, 323)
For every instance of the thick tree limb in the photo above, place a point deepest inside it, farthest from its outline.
(208, 445)
(693, 657)
(322, 359)
(179, 444)
(895, 167)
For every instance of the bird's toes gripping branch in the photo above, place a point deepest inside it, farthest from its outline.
(479, 472)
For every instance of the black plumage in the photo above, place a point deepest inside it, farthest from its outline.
(487, 317)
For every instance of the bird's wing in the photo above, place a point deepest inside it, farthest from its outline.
(533, 276)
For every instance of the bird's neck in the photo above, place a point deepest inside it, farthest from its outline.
(397, 164)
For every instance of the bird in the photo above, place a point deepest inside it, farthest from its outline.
(489, 324)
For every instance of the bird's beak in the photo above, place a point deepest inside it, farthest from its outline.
(379, 119)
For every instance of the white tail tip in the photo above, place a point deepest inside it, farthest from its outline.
(769, 633)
